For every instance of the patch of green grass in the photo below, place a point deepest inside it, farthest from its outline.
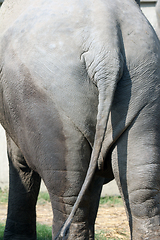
(100, 235)
(44, 232)
(111, 200)
(43, 198)
(2, 226)
(3, 196)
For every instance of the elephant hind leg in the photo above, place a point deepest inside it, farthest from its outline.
(136, 168)
(24, 186)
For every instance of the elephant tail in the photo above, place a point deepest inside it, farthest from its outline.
(106, 87)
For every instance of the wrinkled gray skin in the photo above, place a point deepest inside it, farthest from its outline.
(79, 83)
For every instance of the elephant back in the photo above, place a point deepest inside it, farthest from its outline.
(10, 11)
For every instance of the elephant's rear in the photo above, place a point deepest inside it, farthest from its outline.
(56, 60)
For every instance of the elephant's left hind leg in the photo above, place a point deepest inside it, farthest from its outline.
(23, 191)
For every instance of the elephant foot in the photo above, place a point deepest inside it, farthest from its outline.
(19, 231)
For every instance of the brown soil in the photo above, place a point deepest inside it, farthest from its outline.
(111, 221)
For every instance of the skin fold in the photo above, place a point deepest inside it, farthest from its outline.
(79, 100)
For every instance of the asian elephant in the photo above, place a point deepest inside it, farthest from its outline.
(80, 94)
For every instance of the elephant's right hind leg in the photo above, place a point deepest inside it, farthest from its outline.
(23, 191)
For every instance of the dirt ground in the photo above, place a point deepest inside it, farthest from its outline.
(111, 221)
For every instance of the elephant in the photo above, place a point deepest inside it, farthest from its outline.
(79, 101)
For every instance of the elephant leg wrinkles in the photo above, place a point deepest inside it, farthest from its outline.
(64, 183)
(136, 168)
(24, 188)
